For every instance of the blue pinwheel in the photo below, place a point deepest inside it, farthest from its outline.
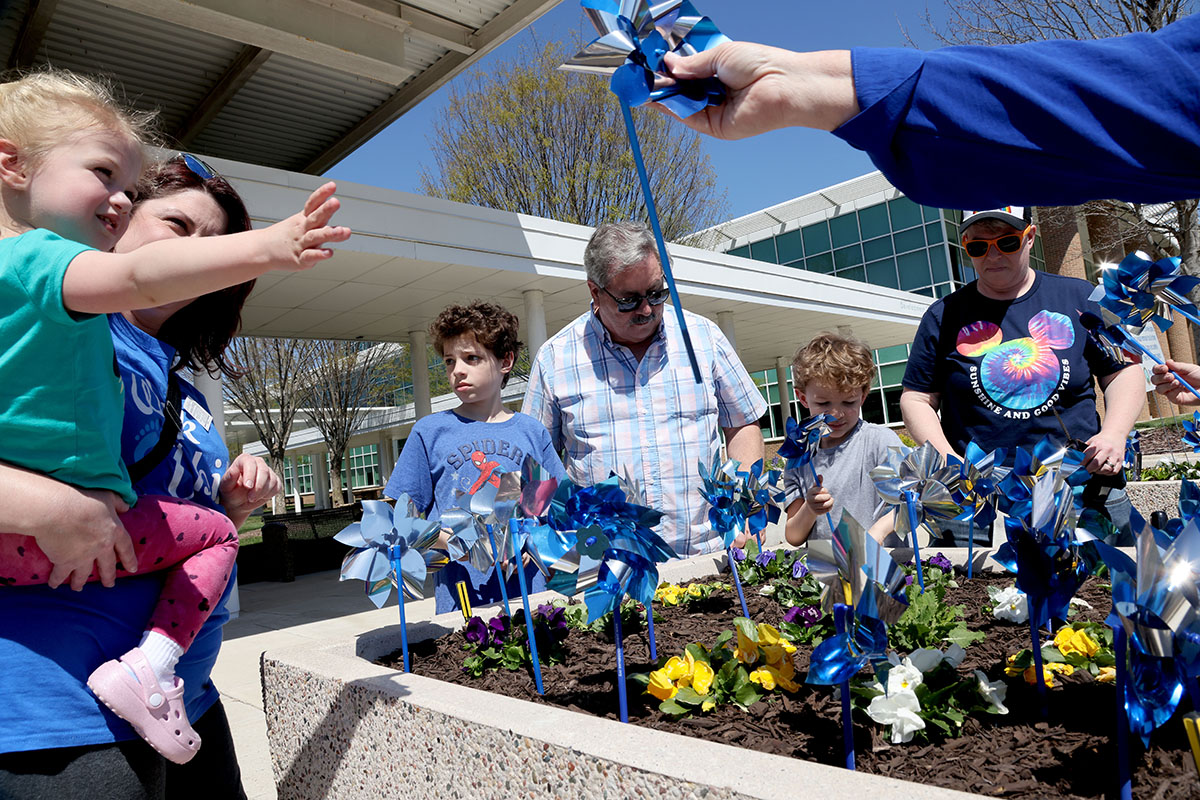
(477, 525)
(976, 488)
(1139, 291)
(634, 37)
(1043, 553)
(1191, 436)
(1115, 342)
(864, 589)
(922, 487)
(1133, 452)
(392, 546)
(803, 439)
(739, 500)
(1046, 458)
(604, 547)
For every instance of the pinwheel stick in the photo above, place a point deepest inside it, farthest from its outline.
(394, 554)
(843, 619)
(1036, 640)
(913, 524)
(499, 572)
(533, 651)
(737, 581)
(623, 704)
(971, 547)
(650, 633)
(663, 258)
(1124, 782)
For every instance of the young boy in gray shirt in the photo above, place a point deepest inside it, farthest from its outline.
(832, 375)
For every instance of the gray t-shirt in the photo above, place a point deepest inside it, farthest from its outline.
(846, 472)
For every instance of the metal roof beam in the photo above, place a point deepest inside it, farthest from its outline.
(33, 30)
(239, 71)
(416, 22)
(311, 31)
(498, 30)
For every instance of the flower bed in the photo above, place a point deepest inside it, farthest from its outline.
(1069, 753)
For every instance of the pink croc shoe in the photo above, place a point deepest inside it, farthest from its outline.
(158, 716)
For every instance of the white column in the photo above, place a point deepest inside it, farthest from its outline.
(535, 320)
(422, 404)
(294, 458)
(783, 371)
(211, 388)
(725, 323)
(386, 462)
(320, 480)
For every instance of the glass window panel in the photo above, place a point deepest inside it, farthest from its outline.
(873, 221)
(941, 267)
(877, 248)
(930, 213)
(914, 270)
(933, 233)
(925, 290)
(773, 393)
(897, 352)
(943, 289)
(816, 238)
(776, 415)
(872, 408)
(764, 251)
(883, 273)
(891, 401)
(909, 240)
(848, 257)
(788, 247)
(821, 263)
(905, 213)
(952, 215)
(891, 374)
(952, 233)
(853, 274)
(743, 251)
(844, 230)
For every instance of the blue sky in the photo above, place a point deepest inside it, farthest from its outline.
(755, 173)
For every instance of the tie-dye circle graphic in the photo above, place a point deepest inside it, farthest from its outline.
(1022, 373)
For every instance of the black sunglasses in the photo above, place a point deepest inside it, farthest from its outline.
(655, 297)
(202, 169)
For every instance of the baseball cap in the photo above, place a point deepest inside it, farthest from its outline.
(1013, 215)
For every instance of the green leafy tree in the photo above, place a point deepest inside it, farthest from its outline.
(529, 138)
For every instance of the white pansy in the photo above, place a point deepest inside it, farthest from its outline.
(767, 590)
(954, 655)
(992, 691)
(1079, 601)
(903, 677)
(924, 659)
(1011, 605)
(898, 709)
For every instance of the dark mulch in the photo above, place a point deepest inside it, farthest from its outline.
(1167, 439)
(1069, 754)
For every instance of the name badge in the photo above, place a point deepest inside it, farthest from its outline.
(198, 413)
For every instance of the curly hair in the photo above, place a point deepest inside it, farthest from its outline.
(838, 362)
(201, 331)
(493, 326)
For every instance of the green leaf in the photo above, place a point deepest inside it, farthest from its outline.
(748, 694)
(672, 708)
(688, 696)
(964, 636)
(698, 651)
(747, 628)
(640, 678)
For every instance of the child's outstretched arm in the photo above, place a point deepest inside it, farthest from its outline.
(179, 269)
(883, 526)
(803, 512)
(76, 528)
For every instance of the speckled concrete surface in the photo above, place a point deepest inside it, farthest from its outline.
(1148, 496)
(340, 726)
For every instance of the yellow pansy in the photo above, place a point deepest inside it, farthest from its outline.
(694, 590)
(661, 686)
(668, 594)
(1011, 668)
(1065, 669)
(675, 668)
(702, 678)
(1070, 641)
(689, 666)
(747, 648)
(763, 677)
(1107, 674)
(708, 705)
(773, 645)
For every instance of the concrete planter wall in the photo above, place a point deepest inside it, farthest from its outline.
(340, 726)
(1148, 496)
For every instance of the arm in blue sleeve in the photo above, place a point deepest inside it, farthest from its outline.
(412, 475)
(1042, 123)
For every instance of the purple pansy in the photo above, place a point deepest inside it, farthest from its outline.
(476, 632)
(499, 626)
(738, 554)
(803, 615)
(765, 557)
(799, 569)
(908, 579)
(941, 562)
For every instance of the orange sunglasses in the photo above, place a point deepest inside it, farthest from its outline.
(1008, 243)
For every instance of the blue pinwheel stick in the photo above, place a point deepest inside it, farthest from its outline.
(634, 37)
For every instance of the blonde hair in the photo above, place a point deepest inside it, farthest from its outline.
(41, 110)
(838, 362)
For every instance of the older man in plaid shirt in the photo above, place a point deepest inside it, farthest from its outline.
(615, 389)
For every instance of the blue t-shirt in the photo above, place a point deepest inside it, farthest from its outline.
(1003, 367)
(446, 452)
(52, 639)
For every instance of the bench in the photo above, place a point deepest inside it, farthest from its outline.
(296, 544)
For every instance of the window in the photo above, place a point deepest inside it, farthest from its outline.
(873, 221)
(772, 423)
(909, 240)
(883, 273)
(930, 214)
(816, 238)
(364, 466)
(743, 251)
(844, 230)
(848, 257)
(905, 213)
(914, 270)
(764, 251)
(941, 268)
(853, 274)
(877, 248)
(789, 247)
(304, 476)
(933, 233)
(821, 263)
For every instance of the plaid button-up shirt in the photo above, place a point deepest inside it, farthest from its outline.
(608, 411)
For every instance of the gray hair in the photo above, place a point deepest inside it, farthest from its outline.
(615, 246)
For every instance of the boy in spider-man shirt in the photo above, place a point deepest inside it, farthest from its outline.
(470, 446)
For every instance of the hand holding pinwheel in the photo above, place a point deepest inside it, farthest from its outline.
(391, 546)
(801, 443)
(634, 37)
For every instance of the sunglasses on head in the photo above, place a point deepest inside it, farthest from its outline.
(202, 169)
(1008, 243)
(655, 297)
